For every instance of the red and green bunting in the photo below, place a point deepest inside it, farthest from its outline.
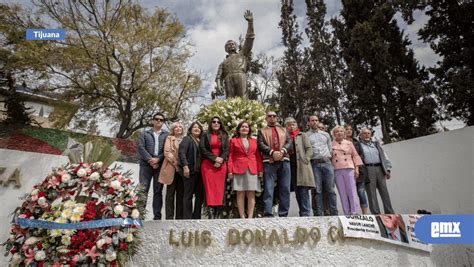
(52, 141)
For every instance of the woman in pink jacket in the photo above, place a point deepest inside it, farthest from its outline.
(346, 163)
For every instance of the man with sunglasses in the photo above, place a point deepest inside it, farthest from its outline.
(274, 143)
(151, 152)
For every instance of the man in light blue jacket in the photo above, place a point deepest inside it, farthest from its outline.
(151, 152)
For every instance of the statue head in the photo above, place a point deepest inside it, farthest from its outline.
(230, 46)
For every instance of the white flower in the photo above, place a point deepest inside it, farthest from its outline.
(95, 176)
(61, 220)
(57, 202)
(69, 204)
(63, 250)
(66, 213)
(55, 232)
(34, 192)
(129, 238)
(122, 235)
(32, 240)
(40, 255)
(110, 255)
(100, 243)
(81, 172)
(79, 208)
(42, 201)
(16, 259)
(107, 174)
(65, 178)
(69, 232)
(135, 214)
(76, 216)
(118, 209)
(116, 185)
(229, 124)
(98, 164)
(66, 240)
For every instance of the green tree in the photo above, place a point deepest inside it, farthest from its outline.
(449, 31)
(11, 62)
(118, 60)
(386, 84)
(325, 72)
(290, 96)
(16, 113)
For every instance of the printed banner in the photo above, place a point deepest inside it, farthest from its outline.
(393, 228)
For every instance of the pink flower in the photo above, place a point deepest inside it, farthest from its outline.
(124, 214)
(93, 253)
(30, 256)
(53, 182)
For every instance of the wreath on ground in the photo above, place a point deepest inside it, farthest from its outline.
(82, 213)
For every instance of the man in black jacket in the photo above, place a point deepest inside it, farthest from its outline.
(151, 152)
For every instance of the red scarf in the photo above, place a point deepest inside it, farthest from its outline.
(294, 133)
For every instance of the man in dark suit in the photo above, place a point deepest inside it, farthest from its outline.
(151, 152)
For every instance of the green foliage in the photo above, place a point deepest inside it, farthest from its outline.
(449, 31)
(53, 137)
(386, 84)
(16, 112)
(292, 96)
(231, 111)
(95, 151)
(325, 74)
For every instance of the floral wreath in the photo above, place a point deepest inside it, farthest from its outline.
(82, 213)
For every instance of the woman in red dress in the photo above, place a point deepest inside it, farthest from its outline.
(214, 148)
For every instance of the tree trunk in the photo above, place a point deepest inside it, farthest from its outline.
(124, 128)
(385, 134)
(338, 115)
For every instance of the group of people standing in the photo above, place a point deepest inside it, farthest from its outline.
(197, 165)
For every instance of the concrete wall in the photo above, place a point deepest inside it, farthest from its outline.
(434, 173)
(158, 252)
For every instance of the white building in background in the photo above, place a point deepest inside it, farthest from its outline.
(45, 109)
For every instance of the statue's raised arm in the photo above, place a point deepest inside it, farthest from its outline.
(250, 36)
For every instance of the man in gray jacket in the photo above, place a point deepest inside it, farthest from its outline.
(376, 171)
(151, 152)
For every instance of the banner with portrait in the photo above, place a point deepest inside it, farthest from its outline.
(392, 228)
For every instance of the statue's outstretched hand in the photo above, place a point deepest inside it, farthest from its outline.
(248, 16)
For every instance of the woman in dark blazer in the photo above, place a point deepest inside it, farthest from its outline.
(190, 159)
(214, 148)
(245, 164)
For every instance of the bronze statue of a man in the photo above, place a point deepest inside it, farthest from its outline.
(232, 74)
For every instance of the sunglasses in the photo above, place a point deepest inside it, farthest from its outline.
(158, 119)
(272, 116)
(216, 122)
